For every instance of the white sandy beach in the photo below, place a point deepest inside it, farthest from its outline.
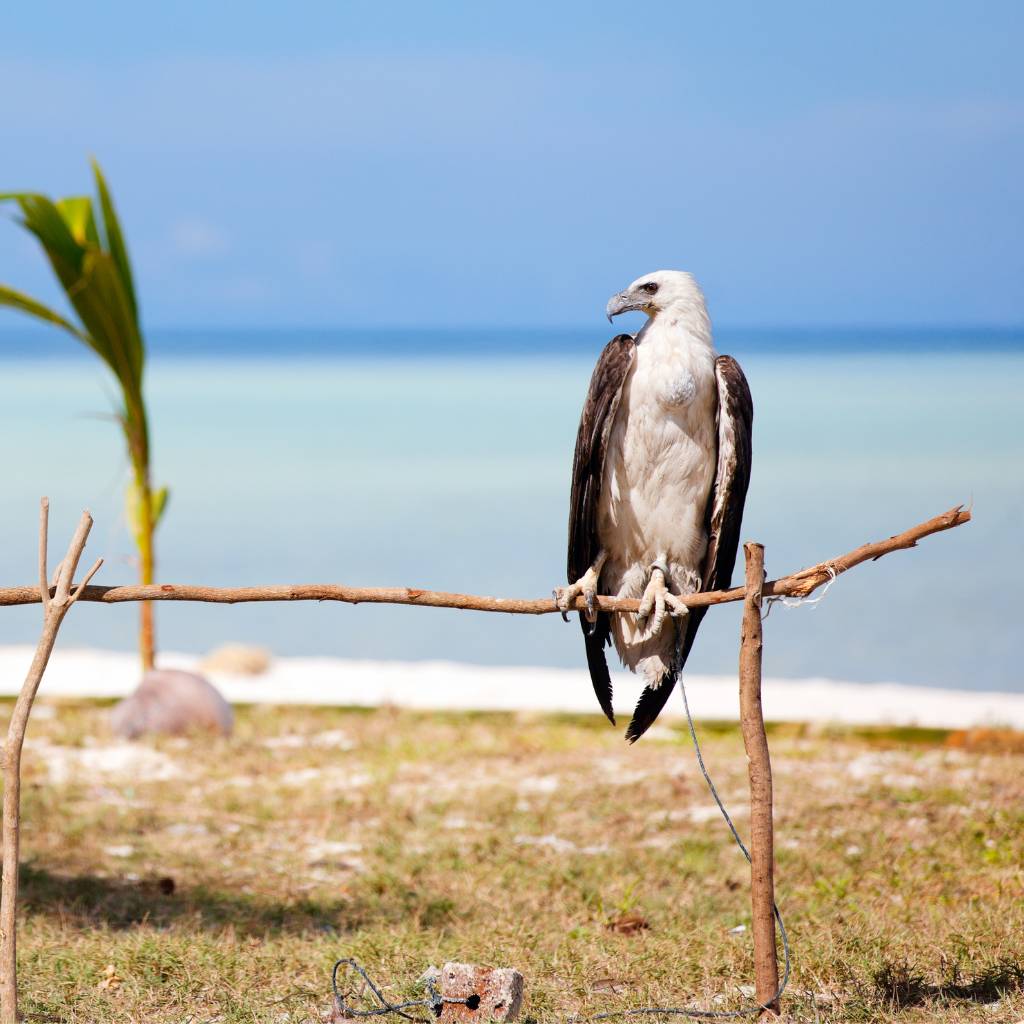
(450, 686)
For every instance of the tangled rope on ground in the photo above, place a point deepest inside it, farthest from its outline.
(433, 1002)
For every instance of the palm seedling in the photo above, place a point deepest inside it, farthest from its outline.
(90, 260)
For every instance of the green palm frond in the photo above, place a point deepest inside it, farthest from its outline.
(26, 304)
(89, 258)
(115, 239)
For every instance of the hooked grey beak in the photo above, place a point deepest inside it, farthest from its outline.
(621, 303)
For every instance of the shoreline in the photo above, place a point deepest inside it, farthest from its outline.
(450, 686)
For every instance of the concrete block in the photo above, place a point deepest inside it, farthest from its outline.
(493, 993)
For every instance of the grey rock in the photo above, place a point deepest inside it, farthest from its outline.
(172, 702)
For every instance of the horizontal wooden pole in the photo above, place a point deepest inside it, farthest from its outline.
(797, 584)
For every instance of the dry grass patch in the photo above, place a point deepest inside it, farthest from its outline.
(211, 880)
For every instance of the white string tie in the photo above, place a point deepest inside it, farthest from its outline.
(799, 602)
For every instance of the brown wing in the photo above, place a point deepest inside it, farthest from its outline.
(729, 493)
(587, 477)
(724, 517)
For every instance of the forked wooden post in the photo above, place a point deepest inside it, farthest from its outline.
(55, 607)
(759, 768)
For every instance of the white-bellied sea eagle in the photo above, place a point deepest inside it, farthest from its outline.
(659, 480)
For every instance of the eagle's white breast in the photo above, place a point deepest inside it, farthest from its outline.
(659, 467)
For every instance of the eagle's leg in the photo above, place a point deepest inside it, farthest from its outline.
(585, 586)
(658, 599)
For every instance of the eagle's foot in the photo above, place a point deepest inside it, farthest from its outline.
(653, 601)
(658, 600)
(585, 587)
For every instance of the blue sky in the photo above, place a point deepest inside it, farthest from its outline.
(481, 164)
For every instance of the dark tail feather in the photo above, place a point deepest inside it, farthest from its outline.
(654, 699)
(650, 705)
(598, 664)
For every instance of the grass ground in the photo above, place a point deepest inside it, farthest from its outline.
(200, 880)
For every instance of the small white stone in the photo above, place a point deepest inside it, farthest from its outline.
(186, 829)
(336, 739)
(663, 734)
(538, 784)
(552, 842)
(300, 776)
(331, 848)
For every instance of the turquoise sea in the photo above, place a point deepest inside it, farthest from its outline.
(441, 459)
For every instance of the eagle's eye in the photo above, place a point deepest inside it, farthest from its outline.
(650, 287)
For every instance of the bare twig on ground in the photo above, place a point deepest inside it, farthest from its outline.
(56, 601)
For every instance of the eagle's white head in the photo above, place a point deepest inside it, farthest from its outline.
(672, 293)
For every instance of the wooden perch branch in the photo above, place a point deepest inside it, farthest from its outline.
(798, 584)
(56, 600)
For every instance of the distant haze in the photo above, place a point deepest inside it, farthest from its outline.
(415, 164)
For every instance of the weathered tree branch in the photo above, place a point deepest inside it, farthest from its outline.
(56, 601)
(798, 584)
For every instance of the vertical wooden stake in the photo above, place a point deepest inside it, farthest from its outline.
(55, 607)
(759, 767)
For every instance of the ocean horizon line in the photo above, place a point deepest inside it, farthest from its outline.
(376, 342)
